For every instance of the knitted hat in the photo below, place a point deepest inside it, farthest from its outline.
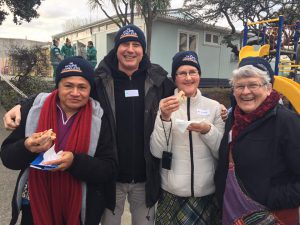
(130, 33)
(260, 64)
(75, 66)
(184, 58)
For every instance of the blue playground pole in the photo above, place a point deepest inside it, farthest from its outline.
(264, 35)
(245, 34)
(278, 45)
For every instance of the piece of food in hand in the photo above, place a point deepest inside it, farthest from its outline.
(181, 96)
(49, 133)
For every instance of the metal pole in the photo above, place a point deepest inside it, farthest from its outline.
(245, 34)
(278, 46)
(264, 35)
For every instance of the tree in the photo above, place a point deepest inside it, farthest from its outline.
(125, 11)
(21, 10)
(234, 11)
(27, 61)
(75, 23)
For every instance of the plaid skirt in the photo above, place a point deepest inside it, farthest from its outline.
(175, 210)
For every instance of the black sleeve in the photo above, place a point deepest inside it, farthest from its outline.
(168, 87)
(102, 167)
(14, 155)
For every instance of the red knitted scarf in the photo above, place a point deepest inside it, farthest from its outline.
(241, 121)
(56, 197)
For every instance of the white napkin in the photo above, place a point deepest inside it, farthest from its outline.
(183, 124)
(50, 155)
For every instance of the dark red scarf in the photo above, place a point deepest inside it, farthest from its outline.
(56, 197)
(243, 120)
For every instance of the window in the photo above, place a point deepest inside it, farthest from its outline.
(187, 41)
(212, 39)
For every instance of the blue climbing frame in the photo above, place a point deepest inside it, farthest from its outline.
(280, 21)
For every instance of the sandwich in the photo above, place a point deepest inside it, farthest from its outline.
(49, 133)
(181, 97)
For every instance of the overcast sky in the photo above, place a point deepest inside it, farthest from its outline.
(53, 14)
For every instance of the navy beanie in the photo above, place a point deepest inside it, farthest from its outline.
(130, 33)
(185, 58)
(260, 64)
(75, 66)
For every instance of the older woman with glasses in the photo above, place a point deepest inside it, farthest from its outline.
(258, 175)
(186, 138)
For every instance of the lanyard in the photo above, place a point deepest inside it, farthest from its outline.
(167, 138)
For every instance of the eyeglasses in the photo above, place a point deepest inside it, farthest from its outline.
(250, 86)
(191, 73)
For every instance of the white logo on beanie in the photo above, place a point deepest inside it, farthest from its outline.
(190, 58)
(129, 33)
(71, 67)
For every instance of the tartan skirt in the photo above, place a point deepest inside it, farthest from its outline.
(175, 210)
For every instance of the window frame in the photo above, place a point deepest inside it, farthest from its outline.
(188, 33)
(212, 38)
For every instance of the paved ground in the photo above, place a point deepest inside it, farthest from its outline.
(7, 185)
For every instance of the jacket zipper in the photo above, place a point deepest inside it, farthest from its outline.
(133, 136)
(191, 148)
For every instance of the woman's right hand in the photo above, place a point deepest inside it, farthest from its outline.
(38, 142)
(12, 118)
(168, 106)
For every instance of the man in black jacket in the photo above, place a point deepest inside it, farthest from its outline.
(134, 88)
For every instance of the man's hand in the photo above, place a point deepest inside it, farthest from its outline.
(12, 118)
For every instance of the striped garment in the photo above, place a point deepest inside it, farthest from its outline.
(174, 210)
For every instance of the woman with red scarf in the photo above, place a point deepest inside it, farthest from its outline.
(75, 192)
(258, 175)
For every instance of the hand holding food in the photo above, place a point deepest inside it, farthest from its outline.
(41, 141)
(167, 106)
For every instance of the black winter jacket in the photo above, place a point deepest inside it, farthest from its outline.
(97, 172)
(267, 159)
(156, 87)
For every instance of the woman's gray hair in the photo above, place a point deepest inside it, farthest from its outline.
(247, 72)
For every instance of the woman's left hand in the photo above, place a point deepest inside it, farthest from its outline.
(202, 127)
(64, 162)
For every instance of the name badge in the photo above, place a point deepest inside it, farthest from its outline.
(203, 112)
(230, 136)
(131, 93)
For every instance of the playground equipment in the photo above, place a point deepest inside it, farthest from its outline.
(290, 89)
(249, 50)
(286, 58)
(277, 41)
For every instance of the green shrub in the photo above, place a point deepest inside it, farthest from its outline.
(29, 85)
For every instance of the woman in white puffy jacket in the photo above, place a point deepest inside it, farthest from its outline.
(186, 137)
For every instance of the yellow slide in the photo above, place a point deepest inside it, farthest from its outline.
(249, 51)
(290, 89)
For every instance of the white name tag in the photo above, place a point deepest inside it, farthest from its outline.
(131, 93)
(203, 112)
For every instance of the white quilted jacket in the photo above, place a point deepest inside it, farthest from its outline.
(178, 179)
